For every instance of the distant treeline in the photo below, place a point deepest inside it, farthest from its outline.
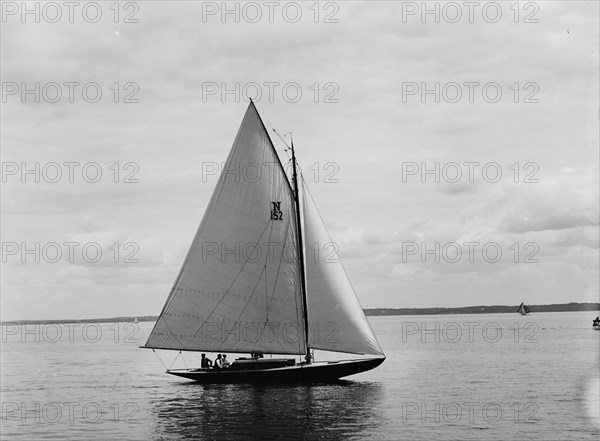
(482, 309)
(146, 318)
(556, 307)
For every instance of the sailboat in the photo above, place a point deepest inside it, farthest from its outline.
(523, 309)
(248, 285)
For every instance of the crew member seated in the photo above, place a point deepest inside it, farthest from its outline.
(256, 355)
(205, 363)
(218, 363)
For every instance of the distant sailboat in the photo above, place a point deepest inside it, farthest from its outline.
(135, 320)
(596, 323)
(523, 309)
(246, 285)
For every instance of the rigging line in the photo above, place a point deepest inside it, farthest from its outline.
(277, 279)
(266, 293)
(265, 269)
(167, 303)
(267, 282)
(287, 147)
(300, 249)
(259, 277)
(183, 358)
(280, 262)
(268, 303)
(268, 251)
(166, 325)
(174, 360)
(160, 359)
(247, 302)
(251, 295)
(225, 293)
(272, 145)
(258, 281)
(298, 285)
(171, 296)
(285, 236)
(296, 195)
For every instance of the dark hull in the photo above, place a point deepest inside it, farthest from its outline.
(307, 373)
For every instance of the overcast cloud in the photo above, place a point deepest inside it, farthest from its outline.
(362, 153)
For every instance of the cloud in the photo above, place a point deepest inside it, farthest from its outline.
(351, 150)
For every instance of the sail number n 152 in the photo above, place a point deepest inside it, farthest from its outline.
(276, 213)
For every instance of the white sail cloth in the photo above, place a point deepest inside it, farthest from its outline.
(239, 287)
(336, 319)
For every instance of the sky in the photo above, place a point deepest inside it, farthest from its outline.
(452, 151)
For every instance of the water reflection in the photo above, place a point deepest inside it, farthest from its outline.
(338, 411)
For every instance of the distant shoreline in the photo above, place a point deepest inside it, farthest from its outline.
(493, 309)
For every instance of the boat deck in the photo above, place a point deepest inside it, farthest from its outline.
(303, 372)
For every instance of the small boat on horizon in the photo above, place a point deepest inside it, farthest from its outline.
(247, 286)
(596, 323)
(523, 309)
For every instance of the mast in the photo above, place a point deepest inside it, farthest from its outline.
(299, 238)
(300, 250)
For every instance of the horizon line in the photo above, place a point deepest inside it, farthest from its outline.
(437, 309)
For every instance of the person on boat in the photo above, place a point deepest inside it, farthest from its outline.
(218, 363)
(205, 363)
(308, 358)
(256, 355)
(225, 362)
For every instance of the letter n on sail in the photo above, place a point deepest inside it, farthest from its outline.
(276, 213)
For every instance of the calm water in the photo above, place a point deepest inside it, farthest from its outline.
(530, 378)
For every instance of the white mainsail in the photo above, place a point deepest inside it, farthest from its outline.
(239, 287)
(336, 319)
